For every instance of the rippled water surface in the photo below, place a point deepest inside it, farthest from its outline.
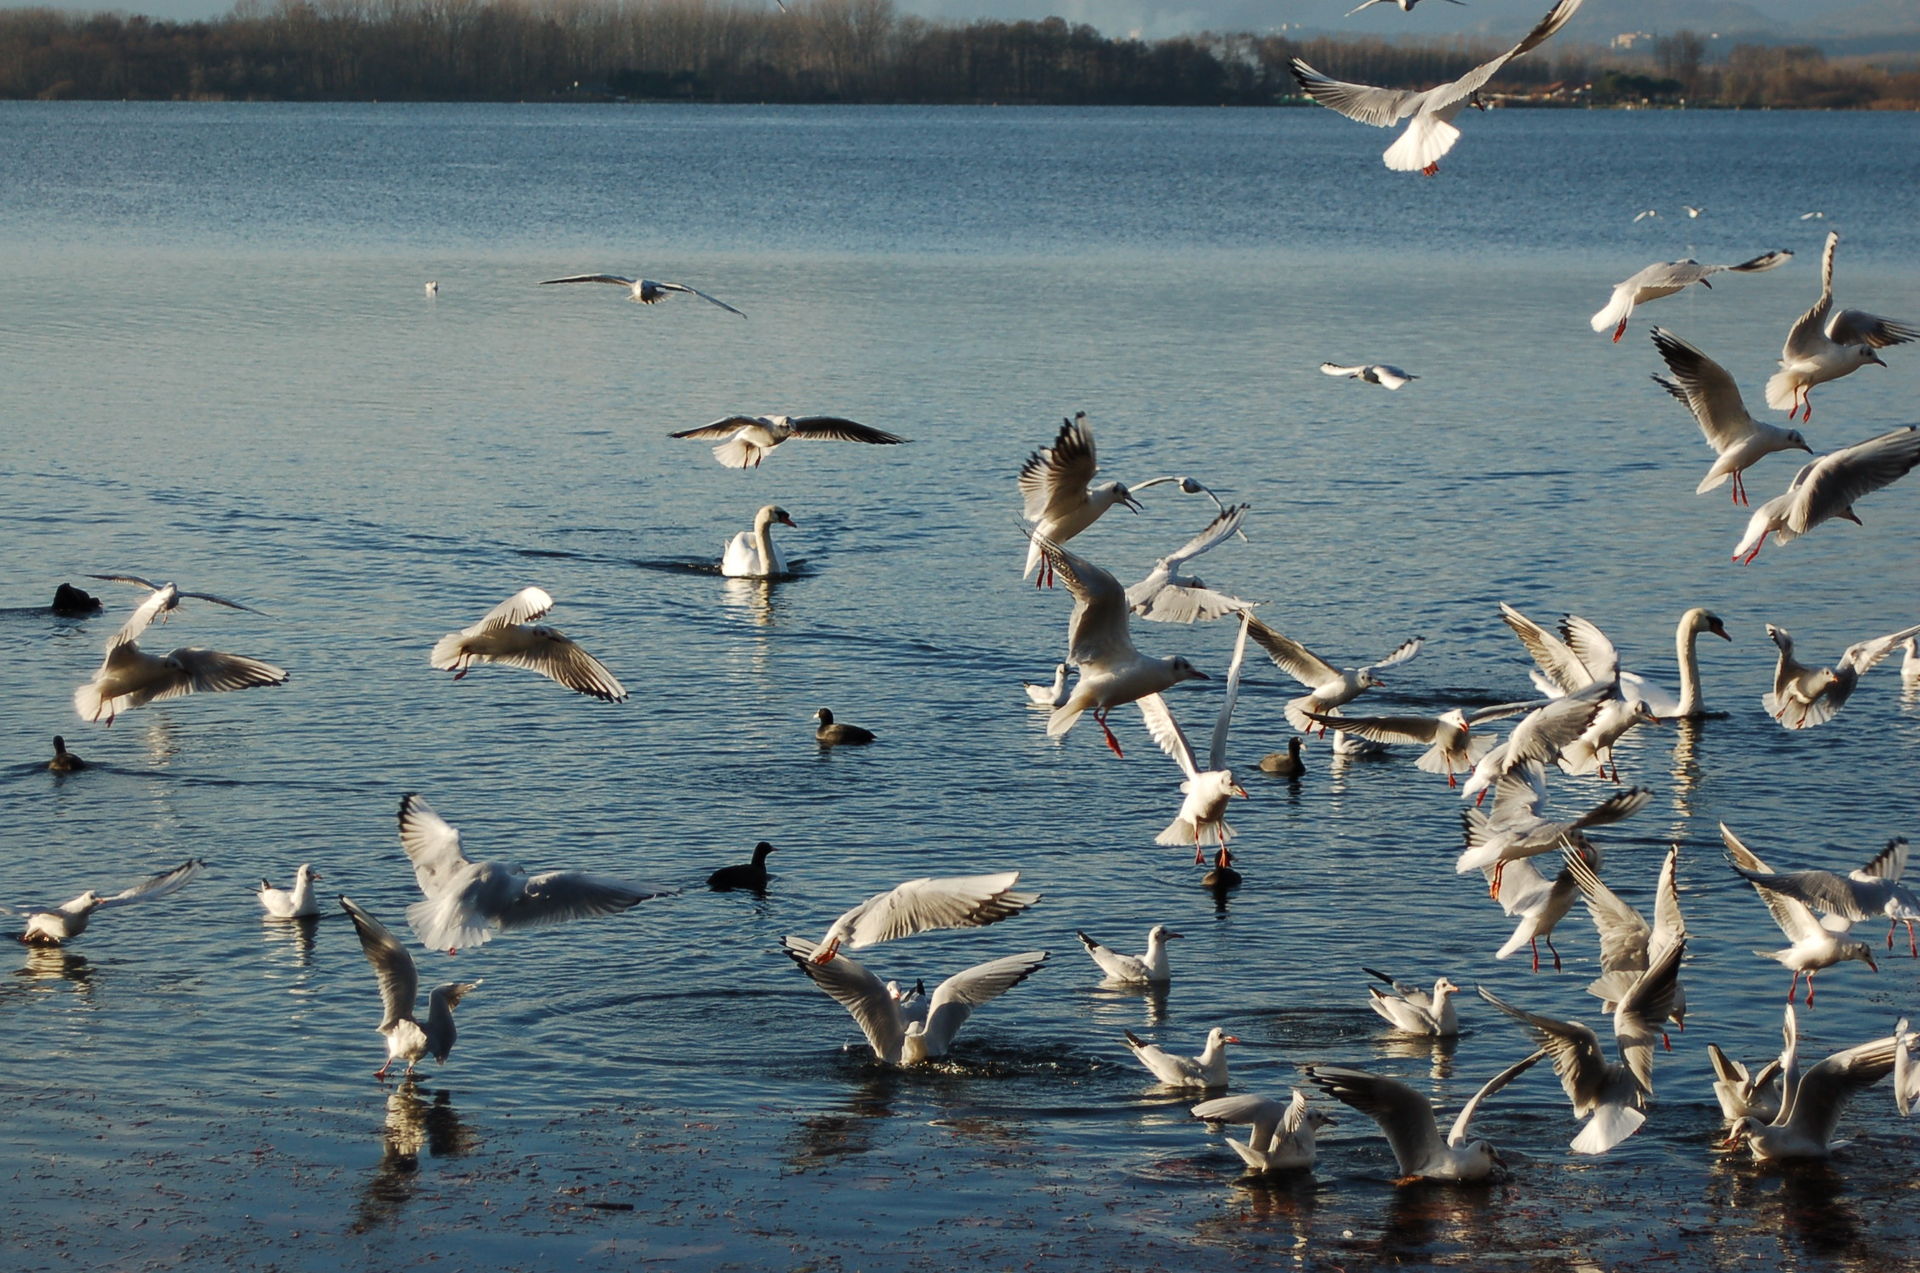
(221, 368)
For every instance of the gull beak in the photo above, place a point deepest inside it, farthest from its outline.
(1135, 505)
(1239, 790)
(1171, 936)
(1230, 1038)
(1875, 359)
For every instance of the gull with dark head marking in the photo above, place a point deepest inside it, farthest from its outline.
(1664, 278)
(1615, 1095)
(1280, 1137)
(1134, 970)
(1373, 373)
(1803, 696)
(1430, 133)
(923, 905)
(1207, 790)
(129, 677)
(903, 1032)
(58, 925)
(408, 1038)
(1331, 686)
(170, 597)
(1816, 945)
(643, 291)
(1113, 671)
(1060, 497)
(1823, 345)
(745, 440)
(468, 903)
(1208, 1070)
(1170, 595)
(1406, 1117)
(1874, 891)
(1739, 441)
(505, 635)
(1828, 487)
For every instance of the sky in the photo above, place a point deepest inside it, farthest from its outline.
(1154, 19)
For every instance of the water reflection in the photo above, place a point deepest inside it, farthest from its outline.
(1802, 1201)
(1112, 1005)
(1430, 1212)
(50, 963)
(413, 1124)
(157, 738)
(291, 939)
(1270, 1207)
(821, 1140)
(1685, 774)
(755, 596)
(1413, 1047)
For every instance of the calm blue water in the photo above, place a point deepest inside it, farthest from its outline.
(221, 369)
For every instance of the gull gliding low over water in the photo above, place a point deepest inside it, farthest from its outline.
(644, 291)
(1430, 133)
(902, 1033)
(1823, 345)
(171, 596)
(1331, 686)
(1827, 488)
(129, 677)
(1803, 696)
(1374, 373)
(1874, 891)
(1739, 441)
(1406, 1118)
(923, 905)
(1452, 746)
(1170, 595)
(504, 635)
(1113, 671)
(468, 903)
(61, 924)
(745, 440)
(1664, 278)
(408, 1039)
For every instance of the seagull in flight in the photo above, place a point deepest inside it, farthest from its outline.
(645, 290)
(1823, 345)
(748, 438)
(1406, 6)
(1060, 497)
(1739, 441)
(1828, 487)
(1374, 373)
(1664, 278)
(1431, 133)
(1803, 696)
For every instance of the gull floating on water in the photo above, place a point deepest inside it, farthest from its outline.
(504, 635)
(1823, 345)
(1049, 696)
(1828, 487)
(1331, 686)
(1113, 671)
(1060, 497)
(1816, 945)
(746, 439)
(1430, 133)
(408, 1039)
(1803, 696)
(63, 923)
(903, 1033)
(1739, 441)
(129, 677)
(1208, 1070)
(1281, 1137)
(923, 905)
(1374, 373)
(467, 903)
(1615, 1095)
(1691, 211)
(1170, 595)
(1412, 1010)
(1406, 1118)
(1134, 970)
(1207, 790)
(643, 290)
(291, 903)
(752, 554)
(1664, 278)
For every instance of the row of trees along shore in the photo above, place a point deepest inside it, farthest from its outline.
(826, 51)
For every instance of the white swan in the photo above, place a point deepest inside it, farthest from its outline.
(1582, 655)
(752, 554)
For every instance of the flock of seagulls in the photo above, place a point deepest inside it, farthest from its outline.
(1586, 701)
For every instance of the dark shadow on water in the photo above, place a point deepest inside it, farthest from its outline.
(413, 1125)
(1805, 1203)
(821, 1140)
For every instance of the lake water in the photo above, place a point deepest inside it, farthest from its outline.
(221, 368)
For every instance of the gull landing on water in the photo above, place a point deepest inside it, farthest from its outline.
(1803, 696)
(1431, 133)
(407, 1038)
(67, 921)
(1374, 373)
(1664, 278)
(1406, 1118)
(645, 290)
(1208, 790)
(748, 438)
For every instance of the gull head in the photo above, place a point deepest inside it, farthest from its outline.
(1743, 1127)
(1368, 680)
(307, 873)
(1160, 932)
(1443, 987)
(1859, 950)
(1181, 670)
(1799, 443)
(81, 905)
(1110, 493)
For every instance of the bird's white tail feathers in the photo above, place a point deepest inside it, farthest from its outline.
(1426, 139)
(736, 454)
(446, 651)
(1609, 1125)
(1181, 832)
(1618, 306)
(87, 702)
(442, 924)
(1066, 716)
(1782, 390)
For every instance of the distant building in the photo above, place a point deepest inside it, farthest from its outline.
(1628, 39)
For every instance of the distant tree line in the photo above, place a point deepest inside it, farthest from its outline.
(816, 51)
